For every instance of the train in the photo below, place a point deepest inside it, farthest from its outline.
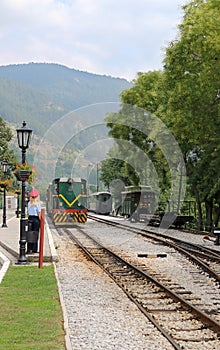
(138, 203)
(100, 203)
(66, 200)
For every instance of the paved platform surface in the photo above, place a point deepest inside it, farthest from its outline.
(10, 236)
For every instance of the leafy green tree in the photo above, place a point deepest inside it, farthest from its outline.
(186, 97)
(5, 137)
(112, 169)
(145, 92)
(135, 124)
(191, 80)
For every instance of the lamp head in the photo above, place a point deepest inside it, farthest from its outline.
(4, 166)
(24, 135)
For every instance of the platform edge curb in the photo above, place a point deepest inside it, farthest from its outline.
(53, 251)
(65, 318)
(5, 265)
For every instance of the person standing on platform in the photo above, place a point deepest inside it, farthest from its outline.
(34, 217)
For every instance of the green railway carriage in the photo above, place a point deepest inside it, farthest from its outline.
(66, 200)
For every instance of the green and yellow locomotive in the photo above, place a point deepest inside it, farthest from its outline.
(66, 200)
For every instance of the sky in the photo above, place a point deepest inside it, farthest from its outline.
(108, 37)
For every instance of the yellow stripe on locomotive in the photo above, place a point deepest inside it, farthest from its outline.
(69, 216)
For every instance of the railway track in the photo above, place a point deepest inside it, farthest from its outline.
(207, 259)
(172, 310)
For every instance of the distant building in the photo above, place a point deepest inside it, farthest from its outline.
(11, 202)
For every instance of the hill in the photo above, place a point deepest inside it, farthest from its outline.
(41, 93)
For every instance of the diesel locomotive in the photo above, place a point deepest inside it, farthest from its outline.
(66, 200)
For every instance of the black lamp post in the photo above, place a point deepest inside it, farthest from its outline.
(4, 165)
(97, 178)
(23, 135)
(180, 168)
(88, 174)
(18, 192)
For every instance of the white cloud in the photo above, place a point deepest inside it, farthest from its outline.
(110, 37)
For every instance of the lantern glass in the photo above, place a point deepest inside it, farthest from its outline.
(24, 135)
(4, 166)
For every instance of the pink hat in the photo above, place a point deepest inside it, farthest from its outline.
(34, 193)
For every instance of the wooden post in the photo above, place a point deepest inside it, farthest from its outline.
(41, 249)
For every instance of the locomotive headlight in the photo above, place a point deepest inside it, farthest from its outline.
(79, 204)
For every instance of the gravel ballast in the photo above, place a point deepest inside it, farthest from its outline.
(100, 316)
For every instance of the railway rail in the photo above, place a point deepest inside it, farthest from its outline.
(171, 310)
(207, 259)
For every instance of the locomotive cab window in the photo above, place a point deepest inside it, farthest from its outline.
(70, 187)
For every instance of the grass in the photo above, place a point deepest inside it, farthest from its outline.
(30, 312)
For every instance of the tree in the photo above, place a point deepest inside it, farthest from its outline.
(185, 96)
(145, 92)
(5, 138)
(136, 125)
(191, 79)
(112, 169)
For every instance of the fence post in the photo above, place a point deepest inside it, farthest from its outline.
(41, 249)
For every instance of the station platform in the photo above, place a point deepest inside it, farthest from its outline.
(10, 236)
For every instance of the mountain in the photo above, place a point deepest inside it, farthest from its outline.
(41, 93)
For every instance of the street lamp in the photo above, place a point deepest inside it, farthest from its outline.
(180, 168)
(97, 177)
(23, 135)
(88, 174)
(4, 166)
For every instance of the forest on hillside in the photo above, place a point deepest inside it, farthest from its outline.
(41, 93)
